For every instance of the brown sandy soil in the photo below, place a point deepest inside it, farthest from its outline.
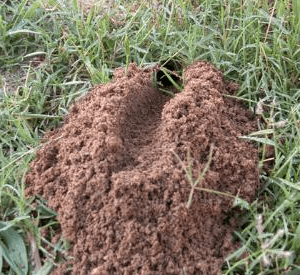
(121, 193)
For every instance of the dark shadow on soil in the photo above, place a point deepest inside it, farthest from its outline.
(174, 67)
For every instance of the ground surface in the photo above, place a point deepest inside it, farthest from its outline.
(54, 51)
(121, 193)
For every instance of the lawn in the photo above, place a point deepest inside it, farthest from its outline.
(53, 52)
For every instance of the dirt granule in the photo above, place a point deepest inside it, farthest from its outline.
(121, 193)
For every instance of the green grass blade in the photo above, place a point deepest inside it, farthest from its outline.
(14, 251)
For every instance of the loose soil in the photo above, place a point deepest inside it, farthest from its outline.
(121, 193)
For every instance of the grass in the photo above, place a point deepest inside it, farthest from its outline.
(52, 52)
(195, 182)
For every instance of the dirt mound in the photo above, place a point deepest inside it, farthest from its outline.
(121, 192)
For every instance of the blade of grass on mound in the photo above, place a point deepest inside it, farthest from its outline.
(194, 182)
(167, 74)
(127, 51)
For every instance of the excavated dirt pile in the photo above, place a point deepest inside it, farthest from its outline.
(120, 191)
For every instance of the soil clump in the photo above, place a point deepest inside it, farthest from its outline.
(121, 193)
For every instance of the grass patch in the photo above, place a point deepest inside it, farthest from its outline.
(52, 52)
